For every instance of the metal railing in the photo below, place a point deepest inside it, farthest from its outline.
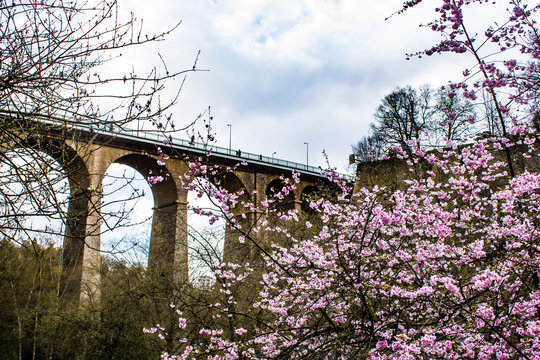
(164, 139)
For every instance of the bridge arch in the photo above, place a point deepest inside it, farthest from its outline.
(127, 205)
(72, 165)
(243, 217)
(286, 202)
(87, 154)
(206, 232)
(168, 239)
(71, 160)
(35, 187)
(309, 192)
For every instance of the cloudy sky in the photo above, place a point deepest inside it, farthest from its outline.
(283, 73)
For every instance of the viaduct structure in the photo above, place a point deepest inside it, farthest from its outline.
(85, 154)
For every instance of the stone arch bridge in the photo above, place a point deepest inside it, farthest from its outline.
(85, 153)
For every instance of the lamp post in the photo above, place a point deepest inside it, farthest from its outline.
(274, 153)
(230, 131)
(307, 153)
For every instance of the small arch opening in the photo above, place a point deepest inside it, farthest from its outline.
(282, 201)
(309, 194)
(233, 185)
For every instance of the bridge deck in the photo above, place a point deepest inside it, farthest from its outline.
(158, 138)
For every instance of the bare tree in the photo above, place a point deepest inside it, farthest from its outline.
(54, 56)
(51, 57)
(487, 113)
(369, 148)
(402, 117)
(452, 117)
(532, 76)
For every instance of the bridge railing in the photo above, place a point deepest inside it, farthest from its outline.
(214, 149)
(160, 138)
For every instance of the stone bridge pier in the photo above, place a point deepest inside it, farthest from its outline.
(168, 255)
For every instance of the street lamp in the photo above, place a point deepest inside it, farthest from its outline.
(274, 153)
(307, 153)
(230, 131)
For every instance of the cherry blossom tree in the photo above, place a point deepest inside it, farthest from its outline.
(445, 267)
